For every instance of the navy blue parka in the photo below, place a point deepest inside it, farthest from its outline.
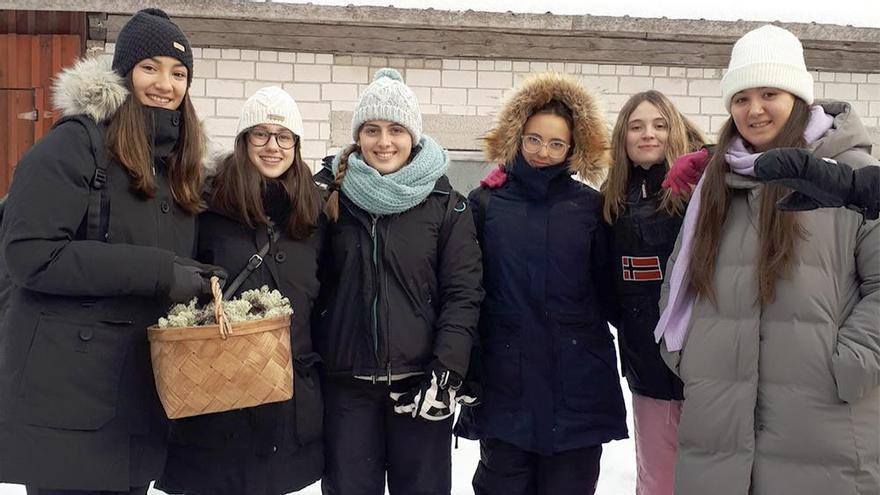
(549, 370)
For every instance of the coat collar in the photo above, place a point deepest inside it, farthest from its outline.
(90, 87)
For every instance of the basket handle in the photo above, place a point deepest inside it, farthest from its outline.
(222, 322)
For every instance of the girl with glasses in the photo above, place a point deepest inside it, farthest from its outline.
(551, 393)
(401, 301)
(771, 316)
(649, 134)
(263, 195)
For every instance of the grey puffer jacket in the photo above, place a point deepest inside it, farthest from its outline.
(786, 400)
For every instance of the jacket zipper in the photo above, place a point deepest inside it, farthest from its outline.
(375, 308)
(644, 190)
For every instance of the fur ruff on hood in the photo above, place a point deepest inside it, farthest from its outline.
(90, 87)
(589, 156)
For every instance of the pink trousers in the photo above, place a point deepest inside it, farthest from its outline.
(656, 425)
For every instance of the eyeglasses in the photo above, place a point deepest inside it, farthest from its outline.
(555, 147)
(260, 137)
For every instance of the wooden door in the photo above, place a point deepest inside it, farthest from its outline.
(28, 64)
(17, 112)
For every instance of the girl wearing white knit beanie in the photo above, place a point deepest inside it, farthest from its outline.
(402, 298)
(770, 314)
(263, 207)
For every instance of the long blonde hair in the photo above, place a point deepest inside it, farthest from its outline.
(684, 137)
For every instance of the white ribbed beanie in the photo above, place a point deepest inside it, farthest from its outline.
(271, 105)
(388, 98)
(767, 57)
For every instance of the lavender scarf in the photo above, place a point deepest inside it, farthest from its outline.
(673, 323)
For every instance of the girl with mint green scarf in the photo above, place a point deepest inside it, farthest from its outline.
(400, 303)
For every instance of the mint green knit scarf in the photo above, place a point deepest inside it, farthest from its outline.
(398, 191)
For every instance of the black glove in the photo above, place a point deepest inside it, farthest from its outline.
(193, 279)
(433, 398)
(820, 183)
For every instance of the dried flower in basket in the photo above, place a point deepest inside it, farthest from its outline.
(256, 304)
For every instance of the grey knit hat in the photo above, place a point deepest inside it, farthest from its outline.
(388, 98)
(150, 33)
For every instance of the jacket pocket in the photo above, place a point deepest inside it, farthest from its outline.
(307, 398)
(72, 372)
(587, 367)
(502, 363)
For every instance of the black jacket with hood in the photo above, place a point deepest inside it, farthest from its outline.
(644, 236)
(401, 291)
(78, 404)
(273, 448)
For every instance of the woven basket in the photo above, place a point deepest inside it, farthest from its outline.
(214, 368)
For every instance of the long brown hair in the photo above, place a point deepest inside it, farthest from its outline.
(683, 137)
(778, 231)
(127, 143)
(238, 191)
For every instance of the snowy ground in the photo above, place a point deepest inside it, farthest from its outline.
(618, 471)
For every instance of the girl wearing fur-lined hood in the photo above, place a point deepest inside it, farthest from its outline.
(551, 390)
(78, 404)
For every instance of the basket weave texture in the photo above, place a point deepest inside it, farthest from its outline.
(214, 368)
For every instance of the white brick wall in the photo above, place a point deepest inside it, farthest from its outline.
(322, 83)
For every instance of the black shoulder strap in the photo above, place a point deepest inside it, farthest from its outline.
(483, 196)
(253, 263)
(96, 225)
(453, 205)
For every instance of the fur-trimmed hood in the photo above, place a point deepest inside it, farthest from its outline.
(591, 137)
(90, 87)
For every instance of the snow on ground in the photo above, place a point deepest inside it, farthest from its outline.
(618, 471)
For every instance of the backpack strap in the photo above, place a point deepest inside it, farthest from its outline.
(98, 213)
(484, 194)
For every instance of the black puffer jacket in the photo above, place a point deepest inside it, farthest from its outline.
(643, 239)
(78, 404)
(402, 290)
(274, 448)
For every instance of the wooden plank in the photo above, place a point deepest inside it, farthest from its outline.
(494, 43)
(42, 22)
(19, 135)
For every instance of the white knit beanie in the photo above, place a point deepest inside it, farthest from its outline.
(388, 98)
(271, 105)
(767, 57)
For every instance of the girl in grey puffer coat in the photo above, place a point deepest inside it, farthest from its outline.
(771, 318)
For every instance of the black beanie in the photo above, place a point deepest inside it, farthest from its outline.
(150, 33)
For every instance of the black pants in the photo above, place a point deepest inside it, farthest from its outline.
(364, 439)
(140, 490)
(508, 470)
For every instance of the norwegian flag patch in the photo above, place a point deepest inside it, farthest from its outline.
(641, 268)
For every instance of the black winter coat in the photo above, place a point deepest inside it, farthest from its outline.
(643, 239)
(402, 290)
(549, 371)
(78, 404)
(273, 448)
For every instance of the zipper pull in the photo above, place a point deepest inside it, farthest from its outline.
(644, 190)
(388, 368)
